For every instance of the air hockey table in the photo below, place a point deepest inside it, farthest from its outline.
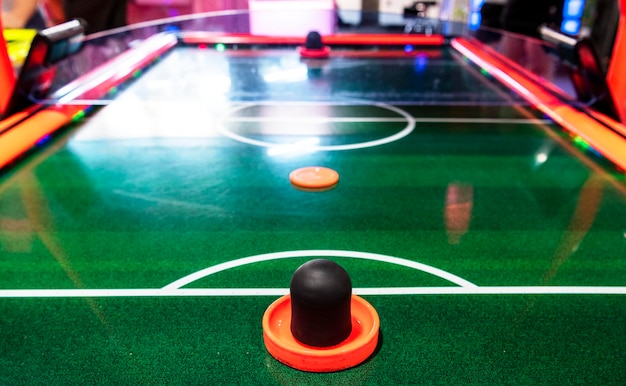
(147, 218)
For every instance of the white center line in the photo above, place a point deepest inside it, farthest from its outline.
(278, 119)
(233, 292)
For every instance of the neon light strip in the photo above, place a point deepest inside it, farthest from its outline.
(610, 144)
(121, 67)
(19, 138)
(341, 39)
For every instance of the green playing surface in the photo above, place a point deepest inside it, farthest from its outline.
(491, 244)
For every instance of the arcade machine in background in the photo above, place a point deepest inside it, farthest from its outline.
(145, 10)
(420, 18)
(600, 21)
(425, 16)
(394, 12)
(279, 17)
(350, 11)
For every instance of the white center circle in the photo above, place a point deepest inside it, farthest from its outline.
(406, 117)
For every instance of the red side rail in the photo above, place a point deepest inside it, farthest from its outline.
(339, 39)
(616, 76)
(579, 123)
(7, 76)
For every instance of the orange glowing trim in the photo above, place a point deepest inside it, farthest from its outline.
(17, 142)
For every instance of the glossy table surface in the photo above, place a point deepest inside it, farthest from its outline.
(491, 244)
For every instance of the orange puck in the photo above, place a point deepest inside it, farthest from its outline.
(314, 178)
(355, 349)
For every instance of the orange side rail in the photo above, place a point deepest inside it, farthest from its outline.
(12, 120)
(616, 76)
(579, 123)
(14, 143)
(7, 76)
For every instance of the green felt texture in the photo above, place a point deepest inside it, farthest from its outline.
(122, 213)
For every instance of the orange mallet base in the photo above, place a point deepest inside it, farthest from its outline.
(359, 346)
(340, 329)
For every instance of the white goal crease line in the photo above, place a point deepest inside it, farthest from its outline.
(199, 292)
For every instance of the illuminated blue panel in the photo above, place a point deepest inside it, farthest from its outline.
(573, 9)
(572, 13)
(475, 5)
(474, 20)
(474, 14)
(571, 26)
